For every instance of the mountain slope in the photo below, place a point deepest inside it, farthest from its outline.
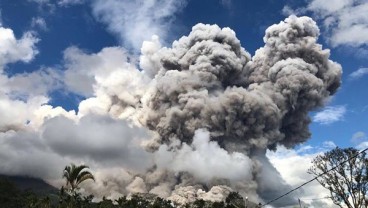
(26, 183)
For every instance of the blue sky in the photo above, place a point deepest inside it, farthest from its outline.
(63, 56)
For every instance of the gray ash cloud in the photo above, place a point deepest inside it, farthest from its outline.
(208, 80)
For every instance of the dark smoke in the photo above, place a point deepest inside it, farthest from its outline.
(245, 105)
(207, 80)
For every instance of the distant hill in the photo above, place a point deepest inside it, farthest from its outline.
(26, 183)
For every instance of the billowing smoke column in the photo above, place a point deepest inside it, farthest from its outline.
(207, 80)
(216, 110)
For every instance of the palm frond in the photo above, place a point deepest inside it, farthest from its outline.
(84, 175)
(74, 175)
(76, 171)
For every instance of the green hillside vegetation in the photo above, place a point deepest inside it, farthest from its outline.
(30, 184)
(25, 192)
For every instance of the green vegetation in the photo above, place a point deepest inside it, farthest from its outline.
(75, 175)
(11, 197)
(68, 197)
(344, 172)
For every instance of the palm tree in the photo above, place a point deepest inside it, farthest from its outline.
(74, 175)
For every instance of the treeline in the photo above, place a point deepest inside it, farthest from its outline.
(12, 197)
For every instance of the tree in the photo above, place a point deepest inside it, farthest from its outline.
(10, 195)
(235, 200)
(348, 179)
(74, 175)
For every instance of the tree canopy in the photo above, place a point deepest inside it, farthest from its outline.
(344, 173)
(74, 175)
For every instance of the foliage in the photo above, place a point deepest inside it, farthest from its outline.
(233, 200)
(11, 197)
(19, 199)
(348, 182)
(74, 175)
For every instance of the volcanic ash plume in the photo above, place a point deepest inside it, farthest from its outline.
(207, 80)
(209, 98)
(215, 110)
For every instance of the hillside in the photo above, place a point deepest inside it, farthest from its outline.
(35, 185)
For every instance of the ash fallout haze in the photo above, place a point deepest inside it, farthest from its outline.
(183, 99)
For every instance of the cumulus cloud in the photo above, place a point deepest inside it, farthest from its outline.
(99, 141)
(285, 160)
(330, 115)
(39, 82)
(13, 50)
(21, 94)
(99, 138)
(24, 153)
(109, 82)
(358, 73)
(205, 160)
(344, 21)
(136, 21)
(82, 69)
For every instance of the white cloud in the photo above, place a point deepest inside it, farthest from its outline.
(329, 144)
(23, 99)
(98, 138)
(345, 21)
(287, 11)
(40, 1)
(23, 152)
(362, 145)
(205, 159)
(107, 79)
(13, 50)
(99, 141)
(285, 161)
(330, 115)
(359, 73)
(16, 113)
(39, 82)
(21, 94)
(70, 2)
(45, 6)
(83, 68)
(39, 22)
(136, 21)
(226, 3)
(323, 6)
(358, 137)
